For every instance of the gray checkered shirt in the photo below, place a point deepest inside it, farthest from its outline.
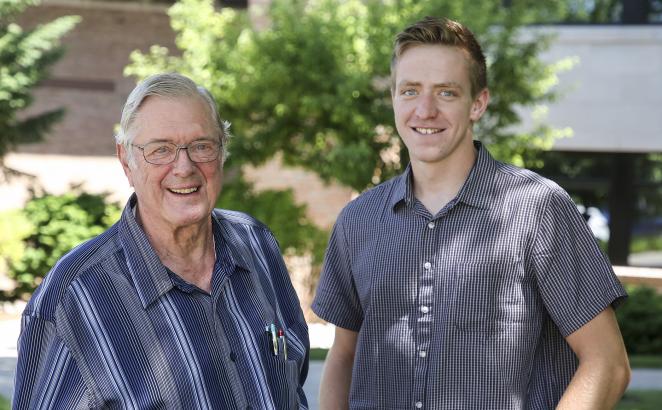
(469, 308)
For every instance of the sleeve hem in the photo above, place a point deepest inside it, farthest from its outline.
(611, 297)
(335, 319)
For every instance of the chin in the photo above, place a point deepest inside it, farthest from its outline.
(186, 217)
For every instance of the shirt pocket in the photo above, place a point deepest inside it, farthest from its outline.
(490, 296)
(286, 374)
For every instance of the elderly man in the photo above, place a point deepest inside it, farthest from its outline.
(464, 283)
(178, 305)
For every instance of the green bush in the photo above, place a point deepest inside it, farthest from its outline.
(640, 320)
(295, 233)
(57, 223)
(14, 226)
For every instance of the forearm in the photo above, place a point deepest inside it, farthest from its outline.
(335, 383)
(597, 385)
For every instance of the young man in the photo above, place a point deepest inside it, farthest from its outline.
(178, 305)
(464, 282)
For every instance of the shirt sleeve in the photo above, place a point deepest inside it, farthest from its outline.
(575, 278)
(336, 299)
(46, 373)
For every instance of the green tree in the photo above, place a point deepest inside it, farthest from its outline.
(314, 83)
(25, 57)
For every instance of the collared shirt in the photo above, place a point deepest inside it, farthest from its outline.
(112, 327)
(468, 308)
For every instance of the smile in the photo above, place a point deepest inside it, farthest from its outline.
(427, 131)
(183, 190)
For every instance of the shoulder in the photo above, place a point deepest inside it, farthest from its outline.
(237, 219)
(369, 203)
(57, 283)
(243, 228)
(526, 184)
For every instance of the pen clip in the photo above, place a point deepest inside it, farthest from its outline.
(274, 340)
(283, 340)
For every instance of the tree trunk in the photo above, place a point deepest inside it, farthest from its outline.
(622, 198)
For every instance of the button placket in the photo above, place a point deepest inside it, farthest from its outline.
(425, 325)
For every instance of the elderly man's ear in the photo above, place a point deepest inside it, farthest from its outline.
(124, 160)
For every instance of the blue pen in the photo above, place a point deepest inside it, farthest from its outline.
(274, 339)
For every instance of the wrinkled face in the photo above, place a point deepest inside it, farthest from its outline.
(432, 103)
(182, 193)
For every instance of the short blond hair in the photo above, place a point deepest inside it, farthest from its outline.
(443, 31)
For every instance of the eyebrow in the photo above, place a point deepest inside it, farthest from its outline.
(448, 84)
(203, 138)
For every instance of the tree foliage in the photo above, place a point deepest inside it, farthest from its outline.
(25, 57)
(314, 83)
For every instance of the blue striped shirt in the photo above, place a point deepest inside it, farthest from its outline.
(468, 308)
(112, 327)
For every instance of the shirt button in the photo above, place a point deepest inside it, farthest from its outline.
(233, 356)
(422, 354)
(431, 225)
(425, 309)
(419, 405)
(427, 265)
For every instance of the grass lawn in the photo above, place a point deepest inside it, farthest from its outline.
(641, 400)
(318, 354)
(4, 403)
(646, 362)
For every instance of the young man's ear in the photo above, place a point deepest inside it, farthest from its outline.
(123, 156)
(479, 105)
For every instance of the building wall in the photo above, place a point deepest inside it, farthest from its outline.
(612, 97)
(88, 81)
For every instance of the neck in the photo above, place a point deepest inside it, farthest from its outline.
(436, 184)
(188, 251)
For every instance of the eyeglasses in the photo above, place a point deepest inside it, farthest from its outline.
(163, 153)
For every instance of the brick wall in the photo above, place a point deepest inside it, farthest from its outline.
(88, 82)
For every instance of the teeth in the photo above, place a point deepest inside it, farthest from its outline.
(184, 190)
(427, 131)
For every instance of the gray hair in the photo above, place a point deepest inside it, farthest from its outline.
(169, 85)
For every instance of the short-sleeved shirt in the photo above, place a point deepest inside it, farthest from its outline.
(468, 308)
(112, 327)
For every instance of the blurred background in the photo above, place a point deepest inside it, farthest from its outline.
(576, 96)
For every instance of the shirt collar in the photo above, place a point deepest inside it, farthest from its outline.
(150, 277)
(403, 191)
(476, 190)
(148, 274)
(226, 236)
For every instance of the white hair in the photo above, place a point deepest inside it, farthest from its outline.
(169, 85)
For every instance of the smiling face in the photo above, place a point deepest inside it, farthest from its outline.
(432, 103)
(182, 193)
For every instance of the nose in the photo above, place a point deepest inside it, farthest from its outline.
(426, 106)
(183, 164)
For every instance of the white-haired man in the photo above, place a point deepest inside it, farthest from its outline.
(178, 305)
